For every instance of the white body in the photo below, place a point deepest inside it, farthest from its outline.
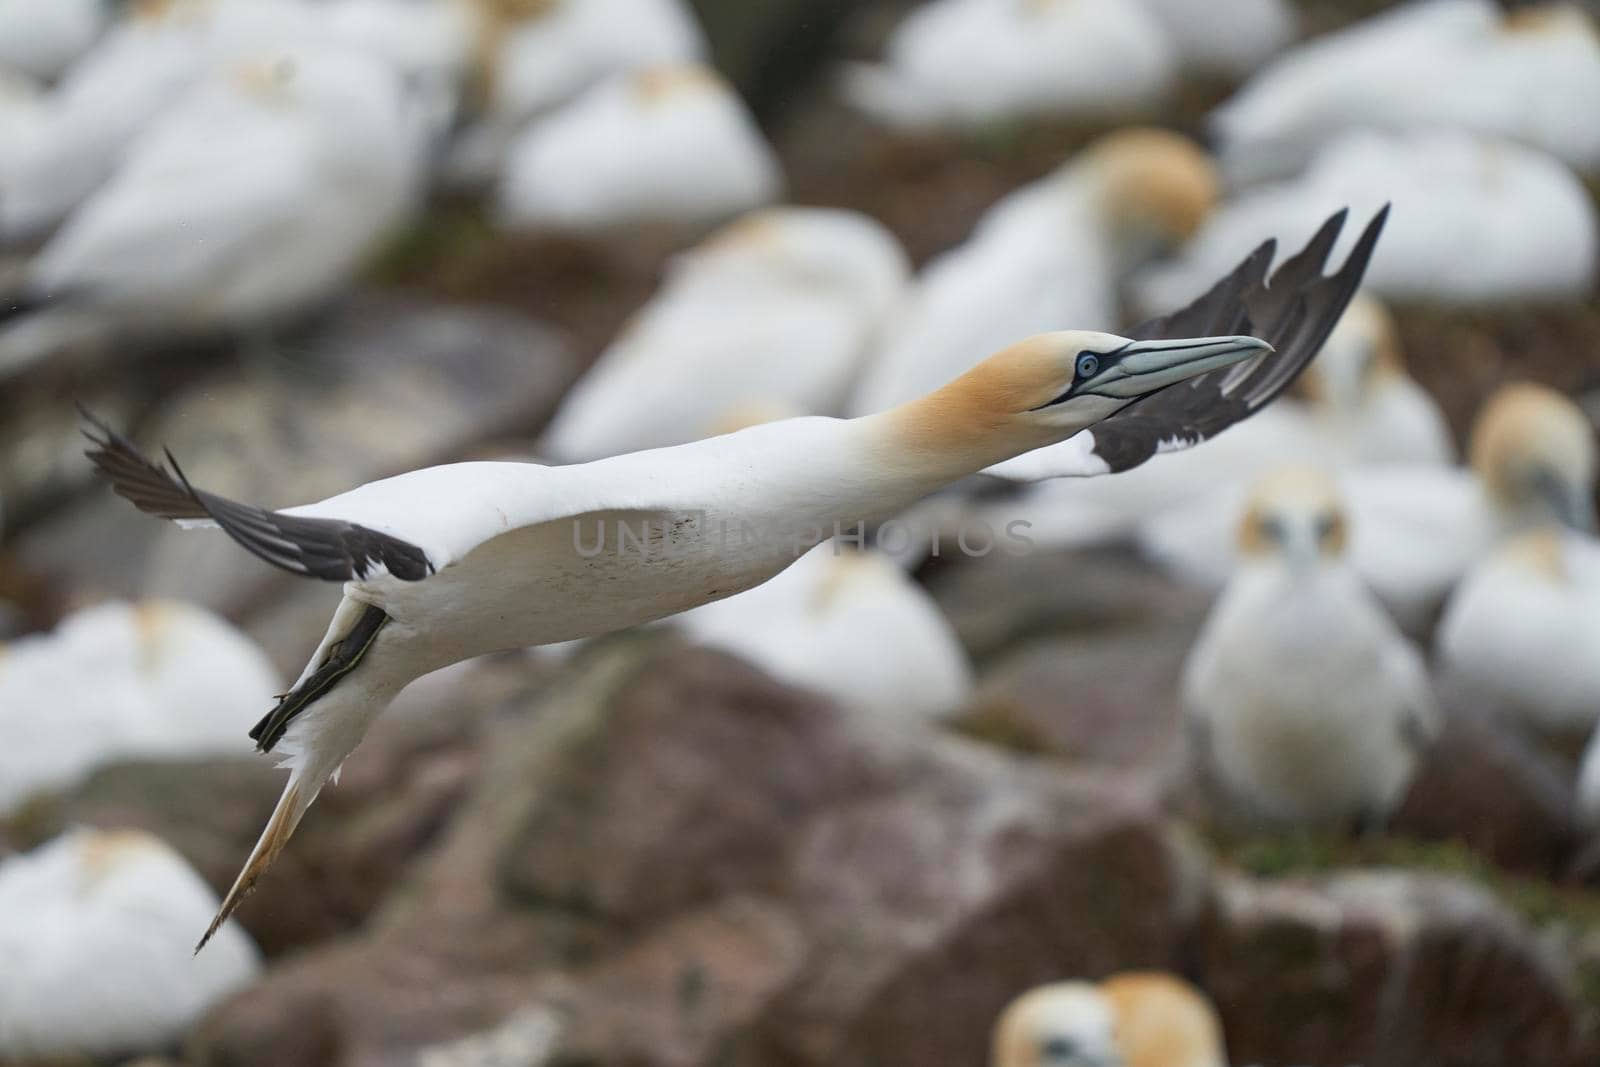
(661, 145)
(118, 681)
(94, 929)
(980, 62)
(1475, 220)
(1441, 64)
(848, 624)
(250, 199)
(1588, 801)
(1228, 38)
(42, 38)
(1523, 631)
(779, 310)
(1310, 702)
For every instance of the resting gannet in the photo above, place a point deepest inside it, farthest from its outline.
(1523, 631)
(1225, 38)
(777, 309)
(92, 967)
(1476, 220)
(1301, 695)
(42, 40)
(851, 624)
(1138, 1019)
(955, 63)
(1052, 251)
(1532, 75)
(662, 144)
(451, 562)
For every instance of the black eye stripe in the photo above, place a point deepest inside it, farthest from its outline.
(1105, 359)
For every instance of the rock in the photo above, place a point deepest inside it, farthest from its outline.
(1386, 969)
(691, 864)
(1483, 785)
(389, 384)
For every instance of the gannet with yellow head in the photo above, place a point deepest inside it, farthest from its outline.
(451, 562)
(1137, 1019)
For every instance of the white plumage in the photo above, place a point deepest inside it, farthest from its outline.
(1521, 631)
(92, 929)
(1475, 220)
(777, 310)
(849, 624)
(665, 144)
(1532, 76)
(1228, 38)
(979, 62)
(1304, 699)
(42, 39)
(157, 680)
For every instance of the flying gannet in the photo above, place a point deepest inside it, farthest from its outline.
(777, 309)
(1136, 1019)
(1302, 697)
(451, 562)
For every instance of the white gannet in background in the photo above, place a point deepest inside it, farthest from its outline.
(1588, 799)
(1302, 696)
(850, 624)
(259, 195)
(1356, 405)
(90, 928)
(1052, 251)
(43, 39)
(19, 107)
(1523, 631)
(1476, 220)
(1419, 527)
(1136, 1019)
(663, 144)
(778, 309)
(1226, 38)
(451, 562)
(971, 63)
(157, 680)
(1531, 75)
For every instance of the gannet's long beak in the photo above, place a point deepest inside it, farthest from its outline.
(1573, 505)
(1142, 367)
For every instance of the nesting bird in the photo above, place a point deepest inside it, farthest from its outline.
(1303, 699)
(92, 931)
(1137, 1019)
(157, 680)
(972, 63)
(663, 144)
(778, 309)
(1477, 220)
(1531, 75)
(852, 625)
(1050, 252)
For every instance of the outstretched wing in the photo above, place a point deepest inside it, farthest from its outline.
(314, 547)
(1294, 311)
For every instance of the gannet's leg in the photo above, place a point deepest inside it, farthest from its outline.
(343, 655)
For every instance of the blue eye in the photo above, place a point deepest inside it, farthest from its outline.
(1088, 365)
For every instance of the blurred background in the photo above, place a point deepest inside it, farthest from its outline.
(1302, 718)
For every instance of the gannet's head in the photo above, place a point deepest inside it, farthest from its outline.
(1294, 516)
(1068, 1024)
(1156, 187)
(1163, 1021)
(1535, 451)
(1361, 356)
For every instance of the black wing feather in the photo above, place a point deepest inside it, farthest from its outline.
(316, 548)
(1294, 311)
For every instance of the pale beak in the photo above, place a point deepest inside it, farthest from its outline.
(1142, 367)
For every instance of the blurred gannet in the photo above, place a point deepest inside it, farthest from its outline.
(451, 562)
(1419, 527)
(778, 308)
(1137, 1019)
(1050, 252)
(260, 195)
(1225, 38)
(1476, 220)
(43, 39)
(852, 625)
(89, 929)
(979, 62)
(1588, 798)
(1301, 694)
(156, 680)
(667, 144)
(1532, 75)
(1523, 631)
